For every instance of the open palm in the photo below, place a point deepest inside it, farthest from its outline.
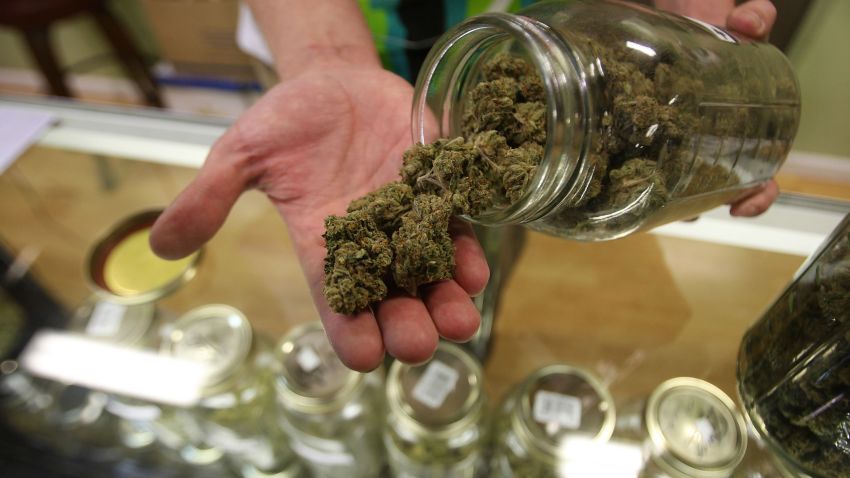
(313, 144)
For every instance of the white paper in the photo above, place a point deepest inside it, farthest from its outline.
(551, 407)
(438, 381)
(18, 130)
(308, 359)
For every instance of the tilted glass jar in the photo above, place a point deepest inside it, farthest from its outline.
(332, 415)
(688, 428)
(232, 417)
(794, 365)
(437, 416)
(555, 423)
(650, 117)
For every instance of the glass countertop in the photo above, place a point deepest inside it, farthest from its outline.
(635, 311)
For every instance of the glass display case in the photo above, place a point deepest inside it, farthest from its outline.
(634, 312)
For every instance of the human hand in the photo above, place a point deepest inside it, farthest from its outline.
(312, 144)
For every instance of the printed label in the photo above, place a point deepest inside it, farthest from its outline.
(716, 31)
(564, 410)
(106, 319)
(435, 385)
(308, 359)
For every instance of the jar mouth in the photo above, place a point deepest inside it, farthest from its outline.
(449, 72)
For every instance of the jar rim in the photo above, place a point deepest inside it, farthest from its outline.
(524, 414)
(473, 407)
(558, 66)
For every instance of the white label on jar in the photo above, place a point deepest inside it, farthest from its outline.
(308, 359)
(106, 319)
(715, 30)
(564, 410)
(436, 384)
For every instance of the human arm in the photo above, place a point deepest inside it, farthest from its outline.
(331, 131)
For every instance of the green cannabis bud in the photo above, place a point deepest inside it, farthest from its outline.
(359, 255)
(423, 248)
(398, 236)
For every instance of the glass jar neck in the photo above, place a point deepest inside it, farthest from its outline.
(449, 72)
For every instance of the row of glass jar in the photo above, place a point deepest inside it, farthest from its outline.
(296, 410)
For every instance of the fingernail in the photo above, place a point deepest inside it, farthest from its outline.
(745, 211)
(754, 20)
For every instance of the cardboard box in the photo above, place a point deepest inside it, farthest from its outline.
(196, 31)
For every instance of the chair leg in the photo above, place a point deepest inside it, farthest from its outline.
(38, 40)
(128, 55)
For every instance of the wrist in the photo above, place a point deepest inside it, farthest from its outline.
(313, 57)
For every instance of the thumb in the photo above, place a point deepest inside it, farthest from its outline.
(199, 210)
(754, 18)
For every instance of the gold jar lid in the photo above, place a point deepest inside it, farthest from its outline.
(217, 335)
(561, 405)
(694, 429)
(311, 378)
(439, 397)
(125, 324)
(122, 268)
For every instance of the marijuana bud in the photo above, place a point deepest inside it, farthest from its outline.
(386, 205)
(423, 248)
(359, 256)
(399, 233)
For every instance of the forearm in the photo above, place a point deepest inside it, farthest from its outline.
(305, 34)
(711, 11)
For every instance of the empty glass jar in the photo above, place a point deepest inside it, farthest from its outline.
(686, 428)
(650, 117)
(332, 415)
(437, 422)
(232, 417)
(556, 423)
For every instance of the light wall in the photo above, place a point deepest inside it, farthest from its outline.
(821, 56)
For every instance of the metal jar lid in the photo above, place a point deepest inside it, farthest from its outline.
(311, 377)
(125, 324)
(218, 335)
(438, 398)
(694, 429)
(559, 403)
(122, 268)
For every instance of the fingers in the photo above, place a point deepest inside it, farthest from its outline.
(452, 311)
(200, 209)
(356, 339)
(754, 19)
(757, 202)
(471, 270)
(408, 331)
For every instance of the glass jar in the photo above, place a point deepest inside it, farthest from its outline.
(332, 415)
(794, 364)
(437, 416)
(24, 403)
(128, 325)
(688, 428)
(650, 117)
(232, 416)
(556, 423)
